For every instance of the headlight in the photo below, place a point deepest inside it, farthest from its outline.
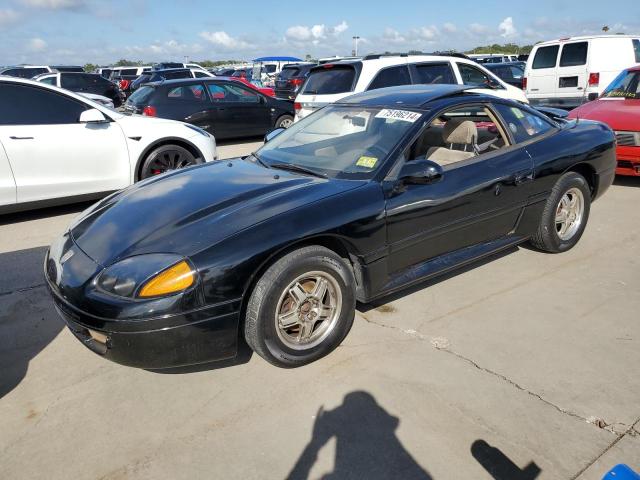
(147, 276)
(197, 129)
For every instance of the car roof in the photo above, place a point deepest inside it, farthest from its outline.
(583, 37)
(416, 96)
(493, 65)
(187, 81)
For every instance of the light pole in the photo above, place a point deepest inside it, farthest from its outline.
(355, 42)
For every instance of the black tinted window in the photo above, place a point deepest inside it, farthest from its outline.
(129, 71)
(435, 73)
(289, 72)
(472, 75)
(180, 74)
(330, 80)
(227, 92)
(25, 72)
(546, 57)
(523, 124)
(636, 49)
(390, 77)
(71, 81)
(142, 95)
(574, 54)
(26, 105)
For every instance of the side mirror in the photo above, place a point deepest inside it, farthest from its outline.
(92, 116)
(273, 134)
(420, 172)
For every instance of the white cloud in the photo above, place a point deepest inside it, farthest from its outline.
(37, 45)
(507, 29)
(314, 34)
(225, 41)
(449, 28)
(479, 29)
(393, 36)
(8, 15)
(56, 4)
(427, 33)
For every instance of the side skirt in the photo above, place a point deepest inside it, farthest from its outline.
(445, 263)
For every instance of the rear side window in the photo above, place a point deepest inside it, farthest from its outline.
(523, 124)
(472, 75)
(180, 74)
(574, 54)
(129, 71)
(188, 93)
(141, 95)
(546, 57)
(434, 73)
(71, 81)
(391, 77)
(49, 80)
(26, 105)
(636, 49)
(330, 80)
(227, 92)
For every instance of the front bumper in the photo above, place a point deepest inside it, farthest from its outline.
(196, 337)
(628, 161)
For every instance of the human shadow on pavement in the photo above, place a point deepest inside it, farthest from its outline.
(366, 443)
(499, 466)
(28, 320)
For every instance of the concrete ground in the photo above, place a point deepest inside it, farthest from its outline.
(522, 367)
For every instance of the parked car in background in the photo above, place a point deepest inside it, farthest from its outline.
(223, 107)
(509, 72)
(168, 65)
(366, 197)
(291, 78)
(25, 71)
(68, 68)
(84, 83)
(489, 58)
(124, 76)
(567, 72)
(59, 147)
(619, 107)
(222, 72)
(168, 74)
(332, 81)
(104, 71)
(104, 101)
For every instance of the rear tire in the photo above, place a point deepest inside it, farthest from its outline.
(565, 215)
(165, 158)
(284, 121)
(301, 308)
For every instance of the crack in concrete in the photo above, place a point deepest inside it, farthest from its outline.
(629, 431)
(23, 289)
(443, 345)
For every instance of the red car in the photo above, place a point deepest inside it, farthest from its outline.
(619, 107)
(269, 92)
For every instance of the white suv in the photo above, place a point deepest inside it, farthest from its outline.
(330, 82)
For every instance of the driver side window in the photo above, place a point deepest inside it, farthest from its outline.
(459, 134)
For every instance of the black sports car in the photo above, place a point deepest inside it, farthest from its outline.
(360, 199)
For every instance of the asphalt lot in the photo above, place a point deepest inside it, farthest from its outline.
(521, 367)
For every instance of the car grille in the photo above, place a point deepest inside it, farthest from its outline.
(628, 139)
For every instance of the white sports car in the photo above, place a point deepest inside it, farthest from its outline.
(59, 147)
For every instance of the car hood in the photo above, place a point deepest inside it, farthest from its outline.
(186, 211)
(619, 114)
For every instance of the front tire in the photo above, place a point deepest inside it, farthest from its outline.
(301, 308)
(565, 215)
(165, 158)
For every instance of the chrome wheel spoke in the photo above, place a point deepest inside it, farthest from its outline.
(306, 329)
(298, 294)
(320, 289)
(289, 319)
(325, 311)
(569, 213)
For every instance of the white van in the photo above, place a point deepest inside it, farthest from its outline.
(567, 72)
(333, 81)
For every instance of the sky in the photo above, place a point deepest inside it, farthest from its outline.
(101, 32)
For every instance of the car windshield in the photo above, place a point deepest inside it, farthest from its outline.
(348, 142)
(141, 95)
(626, 85)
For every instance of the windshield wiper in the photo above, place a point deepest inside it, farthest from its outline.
(297, 168)
(260, 161)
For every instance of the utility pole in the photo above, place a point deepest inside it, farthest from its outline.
(355, 42)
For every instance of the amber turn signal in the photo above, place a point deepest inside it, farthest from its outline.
(174, 279)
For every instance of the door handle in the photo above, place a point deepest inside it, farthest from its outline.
(20, 138)
(523, 177)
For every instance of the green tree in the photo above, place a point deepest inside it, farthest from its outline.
(90, 67)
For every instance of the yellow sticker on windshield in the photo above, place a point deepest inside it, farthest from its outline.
(368, 162)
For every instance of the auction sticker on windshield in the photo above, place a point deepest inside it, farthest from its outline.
(404, 115)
